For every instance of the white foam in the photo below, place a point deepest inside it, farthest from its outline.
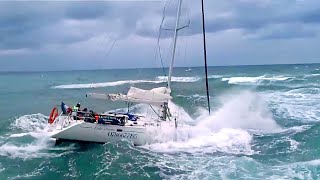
(227, 129)
(315, 162)
(19, 135)
(178, 79)
(25, 151)
(159, 79)
(296, 170)
(215, 76)
(293, 144)
(246, 110)
(234, 141)
(312, 75)
(297, 129)
(31, 123)
(41, 147)
(253, 80)
(194, 98)
(301, 104)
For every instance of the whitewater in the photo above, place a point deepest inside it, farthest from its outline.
(263, 125)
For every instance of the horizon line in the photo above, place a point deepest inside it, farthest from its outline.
(38, 71)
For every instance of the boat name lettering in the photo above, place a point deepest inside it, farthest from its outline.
(123, 135)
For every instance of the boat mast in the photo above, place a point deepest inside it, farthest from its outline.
(165, 109)
(205, 56)
(174, 43)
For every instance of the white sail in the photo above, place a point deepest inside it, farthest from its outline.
(156, 96)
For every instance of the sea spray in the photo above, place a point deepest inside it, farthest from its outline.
(244, 110)
(300, 104)
(30, 123)
(34, 128)
(227, 129)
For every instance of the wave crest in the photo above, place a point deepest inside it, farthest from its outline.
(31, 123)
(227, 129)
(159, 79)
(178, 79)
(253, 80)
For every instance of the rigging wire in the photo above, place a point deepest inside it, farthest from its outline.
(159, 36)
(108, 52)
(186, 33)
(114, 42)
(168, 29)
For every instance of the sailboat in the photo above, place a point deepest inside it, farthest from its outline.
(113, 126)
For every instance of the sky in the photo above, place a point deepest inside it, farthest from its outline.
(71, 35)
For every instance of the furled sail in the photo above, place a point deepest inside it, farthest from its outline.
(156, 96)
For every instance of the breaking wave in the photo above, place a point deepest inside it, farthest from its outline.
(41, 145)
(222, 131)
(159, 79)
(30, 123)
(253, 80)
(312, 75)
(215, 76)
(300, 104)
(178, 79)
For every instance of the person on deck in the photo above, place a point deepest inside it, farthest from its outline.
(78, 107)
(75, 112)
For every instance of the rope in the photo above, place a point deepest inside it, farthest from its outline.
(155, 111)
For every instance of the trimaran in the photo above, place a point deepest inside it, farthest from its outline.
(112, 126)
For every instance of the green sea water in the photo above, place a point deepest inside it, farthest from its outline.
(264, 125)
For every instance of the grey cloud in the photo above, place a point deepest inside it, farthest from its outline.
(87, 10)
(285, 31)
(252, 16)
(36, 24)
(84, 30)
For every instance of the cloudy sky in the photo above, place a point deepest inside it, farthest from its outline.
(57, 35)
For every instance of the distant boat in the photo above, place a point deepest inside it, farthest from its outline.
(189, 69)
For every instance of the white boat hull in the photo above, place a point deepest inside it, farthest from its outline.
(68, 129)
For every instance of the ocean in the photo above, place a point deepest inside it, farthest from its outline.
(264, 124)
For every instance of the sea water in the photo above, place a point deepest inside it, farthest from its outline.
(264, 124)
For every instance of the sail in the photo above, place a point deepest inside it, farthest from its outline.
(156, 96)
